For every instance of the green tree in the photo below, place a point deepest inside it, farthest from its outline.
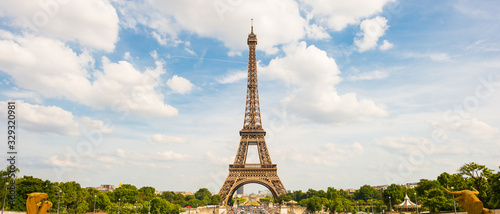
(436, 200)
(128, 193)
(478, 175)
(195, 202)
(102, 202)
(366, 192)
(215, 200)
(425, 185)
(444, 179)
(284, 198)
(29, 184)
(147, 193)
(494, 192)
(204, 196)
(73, 197)
(160, 205)
(312, 204)
(331, 193)
(5, 177)
(395, 192)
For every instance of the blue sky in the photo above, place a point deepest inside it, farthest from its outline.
(152, 92)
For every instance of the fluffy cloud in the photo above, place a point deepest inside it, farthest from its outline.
(402, 144)
(180, 85)
(437, 57)
(279, 21)
(92, 23)
(337, 14)
(233, 77)
(373, 75)
(313, 75)
(62, 73)
(372, 29)
(44, 118)
(95, 125)
(39, 118)
(217, 159)
(56, 161)
(139, 157)
(386, 45)
(455, 126)
(160, 138)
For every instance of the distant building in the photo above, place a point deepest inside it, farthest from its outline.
(240, 190)
(381, 187)
(410, 185)
(184, 193)
(106, 188)
(350, 191)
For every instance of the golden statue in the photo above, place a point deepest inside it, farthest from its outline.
(44, 206)
(468, 201)
(35, 203)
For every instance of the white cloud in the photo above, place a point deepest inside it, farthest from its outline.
(93, 23)
(466, 128)
(374, 75)
(54, 160)
(316, 32)
(372, 29)
(180, 84)
(275, 21)
(44, 118)
(127, 56)
(337, 14)
(233, 77)
(217, 159)
(150, 156)
(108, 159)
(190, 51)
(39, 118)
(55, 71)
(95, 125)
(161, 40)
(160, 138)
(170, 155)
(438, 57)
(386, 45)
(121, 153)
(24, 95)
(401, 144)
(313, 76)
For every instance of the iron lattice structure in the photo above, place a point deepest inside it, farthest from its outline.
(252, 133)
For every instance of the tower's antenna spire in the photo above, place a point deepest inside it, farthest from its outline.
(252, 25)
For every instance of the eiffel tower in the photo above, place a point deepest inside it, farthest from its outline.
(241, 173)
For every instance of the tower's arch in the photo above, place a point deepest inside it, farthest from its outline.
(266, 184)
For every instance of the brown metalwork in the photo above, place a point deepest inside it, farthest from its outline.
(241, 173)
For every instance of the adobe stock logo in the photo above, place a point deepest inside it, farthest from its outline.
(47, 10)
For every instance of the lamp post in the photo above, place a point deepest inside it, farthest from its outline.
(59, 200)
(390, 204)
(135, 207)
(149, 208)
(95, 197)
(119, 205)
(454, 206)
(416, 202)
(372, 206)
(3, 205)
(357, 204)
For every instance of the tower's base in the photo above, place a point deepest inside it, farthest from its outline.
(251, 173)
